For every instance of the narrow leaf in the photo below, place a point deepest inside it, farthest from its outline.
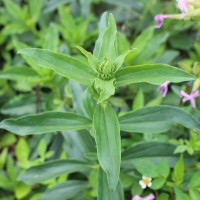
(104, 191)
(178, 172)
(151, 73)
(120, 59)
(148, 149)
(19, 73)
(35, 9)
(157, 119)
(181, 195)
(65, 191)
(52, 169)
(102, 29)
(139, 100)
(108, 140)
(45, 123)
(92, 60)
(106, 43)
(88, 102)
(62, 64)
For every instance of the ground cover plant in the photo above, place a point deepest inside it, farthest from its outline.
(94, 108)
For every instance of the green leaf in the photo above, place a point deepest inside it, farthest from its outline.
(148, 149)
(15, 11)
(178, 173)
(5, 182)
(93, 181)
(76, 33)
(155, 102)
(35, 9)
(66, 190)
(51, 39)
(22, 105)
(181, 195)
(22, 152)
(106, 43)
(52, 169)
(148, 54)
(157, 119)
(106, 88)
(195, 180)
(118, 62)
(11, 169)
(42, 148)
(108, 141)
(163, 168)
(77, 92)
(158, 183)
(45, 123)
(88, 102)
(139, 100)
(104, 191)
(52, 4)
(21, 190)
(181, 148)
(102, 29)
(136, 188)
(3, 157)
(142, 40)
(151, 73)
(163, 196)
(62, 64)
(194, 194)
(19, 73)
(146, 168)
(92, 60)
(7, 140)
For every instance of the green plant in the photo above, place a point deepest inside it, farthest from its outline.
(101, 74)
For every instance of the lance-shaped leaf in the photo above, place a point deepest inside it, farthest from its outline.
(148, 150)
(52, 169)
(151, 73)
(45, 122)
(88, 102)
(120, 59)
(102, 29)
(92, 60)
(157, 119)
(106, 43)
(65, 191)
(62, 64)
(108, 141)
(19, 73)
(104, 191)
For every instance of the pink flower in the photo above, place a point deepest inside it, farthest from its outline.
(183, 6)
(190, 97)
(160, 19)
(163, 88)
(149, 197)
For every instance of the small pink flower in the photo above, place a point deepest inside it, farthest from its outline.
(183, 6)
(163, 88)
(149, 197)
(190, 97)
(160, 19)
